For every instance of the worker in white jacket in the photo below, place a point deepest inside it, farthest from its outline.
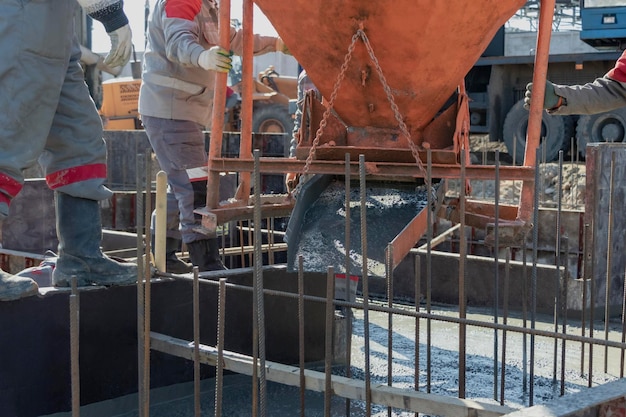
(48, 116)
(175, 103)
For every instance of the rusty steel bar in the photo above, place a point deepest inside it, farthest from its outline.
(365, 286)
(564, 314)
(462, 299)
(416, 347)
(221, 331)
(217, 115)
(540, 72)
(196, 343)
(258, 280)
(389, 278)
(533, 291)
(429, 265)
(347, 245)
(275, 165)
(496, 274)
(301, 344)
(328, 339)
(74, 347)
(139, 220)
(557, 262)
(609, 261)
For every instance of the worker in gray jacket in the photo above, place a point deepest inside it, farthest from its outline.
(47, 115)
(603, 94)
(175, 103)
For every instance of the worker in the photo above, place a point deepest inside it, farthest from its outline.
(603, 94)
(175, 104)
(47, 114)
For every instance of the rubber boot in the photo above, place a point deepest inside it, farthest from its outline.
(205, 254)
(13, 287)
(79, 230)
(173, 264)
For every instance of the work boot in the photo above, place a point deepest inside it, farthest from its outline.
(173, 263)
(13, 287)
(205, 254)
(79, 230)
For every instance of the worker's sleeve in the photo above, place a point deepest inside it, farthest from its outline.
(181, 32)
(108, 12)
(604, 94)
(262, 44)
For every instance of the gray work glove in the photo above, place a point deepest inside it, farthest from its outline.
(121, 47)
(550, 100)
(215, 59)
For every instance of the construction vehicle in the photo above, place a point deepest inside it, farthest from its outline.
(497, 82)
(272, 92)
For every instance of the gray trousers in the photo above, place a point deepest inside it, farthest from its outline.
(46, 112)
(179, 145)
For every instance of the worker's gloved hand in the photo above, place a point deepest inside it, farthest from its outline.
(281, 47)
(121, 47)
(215, 59)
(550, 100)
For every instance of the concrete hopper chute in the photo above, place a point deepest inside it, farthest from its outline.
(424, 48)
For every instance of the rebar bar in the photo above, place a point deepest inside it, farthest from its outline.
(196, 344)
(462, 300)
(328, 339)
(301, 344)
(221, 331)
(139, 216)
(496, 272)
(389, 278)
(429, 265)
(533, 310)
(347, 246)
(365, 285)
(74, 347)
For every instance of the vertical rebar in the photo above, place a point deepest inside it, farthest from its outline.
(389, 273)
(583, 324)
(533, 284)
(366, 319)
(196, 344)
(429, 265)
(609, 263)
(258, 273)
(74, 347)
(147, 284)
(417, 323)
(496, 274)
(564, 313)
(524, 317)
(557, 262)
(462, 300)
(505, 316)
(348, 243)
(592, 309)
(301, 344)
(328, 339)
(221, 330)
(139, 217)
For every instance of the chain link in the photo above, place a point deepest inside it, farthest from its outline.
(394, 107)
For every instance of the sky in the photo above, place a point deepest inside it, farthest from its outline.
(135, 11)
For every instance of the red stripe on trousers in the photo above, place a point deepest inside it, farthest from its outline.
(76, 174)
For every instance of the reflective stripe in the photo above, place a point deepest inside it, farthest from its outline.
(197, 174)
(165, 81)
(9, 186)
(76, 174)
(4, 198)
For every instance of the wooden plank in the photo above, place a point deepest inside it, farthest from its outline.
(343, 387)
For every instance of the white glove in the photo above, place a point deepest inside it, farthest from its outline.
(121, 47)
(215, 59)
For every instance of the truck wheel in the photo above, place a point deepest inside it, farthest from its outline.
(556, 132)
(272, 118)
(603, 127)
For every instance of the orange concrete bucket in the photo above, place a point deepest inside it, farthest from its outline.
(424, 49)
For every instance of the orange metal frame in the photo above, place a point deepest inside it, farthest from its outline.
(387, 156)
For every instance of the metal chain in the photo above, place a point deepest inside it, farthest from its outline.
(331, 103)
(344, 68)
(392, 102)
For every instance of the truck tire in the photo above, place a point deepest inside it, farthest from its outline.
(272, 118)
(556, 131)
(603, 127)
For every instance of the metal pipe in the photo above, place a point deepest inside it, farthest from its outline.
(219, 101)
(161, 220)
